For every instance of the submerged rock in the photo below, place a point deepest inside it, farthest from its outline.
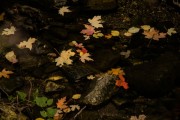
(154, 78)
(100, 90)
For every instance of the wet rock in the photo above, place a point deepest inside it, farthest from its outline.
(53, 87)
(100, 90)
(10, 85)
(154, 78)
(100, 5)
(78, 71)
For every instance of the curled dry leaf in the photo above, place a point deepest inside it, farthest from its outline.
(11, 57)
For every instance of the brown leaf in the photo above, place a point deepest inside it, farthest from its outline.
(62, 103)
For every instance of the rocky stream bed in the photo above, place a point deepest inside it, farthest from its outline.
(89, 60)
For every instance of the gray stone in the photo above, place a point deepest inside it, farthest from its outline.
(100, 90)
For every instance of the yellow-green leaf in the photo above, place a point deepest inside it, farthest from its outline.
(76, 96)
(115, 33)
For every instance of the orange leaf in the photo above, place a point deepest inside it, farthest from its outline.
(62, 103)
(121, 82)
(5, 73)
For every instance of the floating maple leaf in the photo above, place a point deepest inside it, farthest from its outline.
(11, 57)
(96, 22)
(63, 10)
(27, 44)
(171, 31)
(62, 103)
(5, 73)
(85, 57)
(121, 82)
(64, 58)
(89, 30)
(9, 31)
(154, 34)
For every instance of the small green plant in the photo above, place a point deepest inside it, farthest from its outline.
(45, 103)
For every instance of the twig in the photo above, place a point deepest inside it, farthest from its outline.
(79, 112)
(30, 89)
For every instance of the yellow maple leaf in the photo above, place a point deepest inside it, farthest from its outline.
(5, 73)
(116, 71)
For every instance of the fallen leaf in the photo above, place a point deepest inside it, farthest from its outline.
(150, 33)
(146, 27)
(108, 36)
(86, 37)
(98, 35)
(115, 33)
(55, 78)
(89, 30)
(96, 22)
(74, 107)
(5, 73)
(80, 45)
(67, 110)
(116, 71)
(160, 35)
(11, 57)
(9, 31)
(128, 34)
(61, 104)
(27, 44)
(76, 96)
(171, 31)
(133, 30)
(64, 9)
(121, 82)
(64, 58)
(85, 57)
(90, 77)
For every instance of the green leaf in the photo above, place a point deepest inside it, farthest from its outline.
(22, 96)
(41, 101)
(43, 114)
(49, 102)
(51, 112)
(36, 93)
